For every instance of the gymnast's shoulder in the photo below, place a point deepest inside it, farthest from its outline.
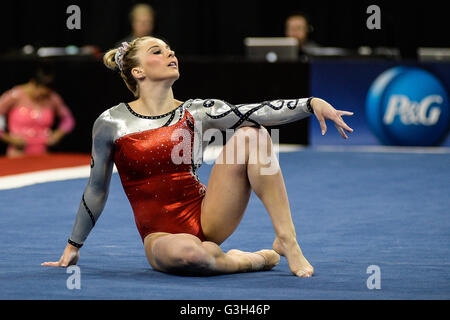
(109, 118)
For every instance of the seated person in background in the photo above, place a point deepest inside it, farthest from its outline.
(297, 26)
(142, 19)
(28, 111)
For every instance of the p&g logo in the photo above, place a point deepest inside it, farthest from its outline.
(408, 106)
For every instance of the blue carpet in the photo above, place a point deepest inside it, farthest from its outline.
(351, 210)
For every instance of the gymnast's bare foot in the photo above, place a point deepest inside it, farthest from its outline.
(262, 260)
(296, 261)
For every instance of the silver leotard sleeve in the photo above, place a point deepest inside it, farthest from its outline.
(96, 192)
(219, 114)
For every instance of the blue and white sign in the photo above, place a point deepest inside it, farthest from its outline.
(408, 106)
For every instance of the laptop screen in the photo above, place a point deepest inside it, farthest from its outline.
(271, 49)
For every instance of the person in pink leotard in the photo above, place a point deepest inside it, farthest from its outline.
(27, 114)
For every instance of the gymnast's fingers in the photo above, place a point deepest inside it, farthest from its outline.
(344, 113)
(322, 123)
(51, 264)
(339, 122)
(341, 131)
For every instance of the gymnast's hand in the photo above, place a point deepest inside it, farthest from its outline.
(324, 111)
(69, 257)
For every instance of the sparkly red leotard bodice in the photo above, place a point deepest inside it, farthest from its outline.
(165, 197)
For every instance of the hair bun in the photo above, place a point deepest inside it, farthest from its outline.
(109, 60)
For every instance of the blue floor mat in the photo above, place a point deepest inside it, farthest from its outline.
(351, 210)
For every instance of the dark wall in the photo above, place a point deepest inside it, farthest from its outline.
(201, 27)
(218, 27)
(89, 88)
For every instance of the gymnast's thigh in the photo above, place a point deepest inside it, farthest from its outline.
(226, 199)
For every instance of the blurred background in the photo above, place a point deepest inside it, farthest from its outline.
(346, 50)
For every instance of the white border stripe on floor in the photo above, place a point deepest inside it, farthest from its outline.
(27, 179)
(43, 176)
(211, 153)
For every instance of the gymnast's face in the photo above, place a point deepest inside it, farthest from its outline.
(157, 62)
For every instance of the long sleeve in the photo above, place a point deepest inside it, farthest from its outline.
(219, 114)
(96, 192)
(7, 101)
(67, 122)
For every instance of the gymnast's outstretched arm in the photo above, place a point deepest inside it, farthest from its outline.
(219, 114)
(95, 194)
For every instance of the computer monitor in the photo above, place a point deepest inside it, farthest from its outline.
(271, 49)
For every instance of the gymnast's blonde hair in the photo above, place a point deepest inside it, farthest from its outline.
(129, 61)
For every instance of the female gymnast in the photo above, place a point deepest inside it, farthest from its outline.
(30, 110)
(181, 222)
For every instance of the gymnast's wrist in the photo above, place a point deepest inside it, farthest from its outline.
(310, 104)
(74, 244)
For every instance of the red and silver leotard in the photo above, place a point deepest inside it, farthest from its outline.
(157, 158)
